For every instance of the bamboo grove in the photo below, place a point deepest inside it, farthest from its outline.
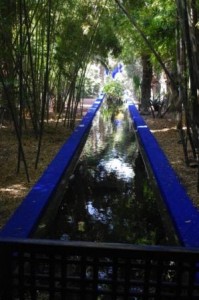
(167, 38)
(46, 46)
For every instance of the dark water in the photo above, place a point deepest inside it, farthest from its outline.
(109, 198)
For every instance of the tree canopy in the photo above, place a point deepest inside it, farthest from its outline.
(46, 47)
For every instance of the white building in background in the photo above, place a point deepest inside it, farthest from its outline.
(159, 87)
(163, 85)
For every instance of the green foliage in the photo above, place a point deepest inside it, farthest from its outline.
(157, 19)
(91, 87)
(73, 33)
(114, 89)
(136, 81)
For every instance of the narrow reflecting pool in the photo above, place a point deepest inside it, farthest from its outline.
(108, 197)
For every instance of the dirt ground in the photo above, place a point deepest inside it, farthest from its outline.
(14, 186)
(164, 129)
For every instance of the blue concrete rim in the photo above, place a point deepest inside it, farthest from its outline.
(23, 221)
(184, 215)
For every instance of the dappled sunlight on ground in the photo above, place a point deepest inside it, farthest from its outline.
(14, 190)
(14, 186)
(169, 140)
(162, 129)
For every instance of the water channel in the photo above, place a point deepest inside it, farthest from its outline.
(109, 197)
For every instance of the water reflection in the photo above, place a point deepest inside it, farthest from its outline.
(108, 198)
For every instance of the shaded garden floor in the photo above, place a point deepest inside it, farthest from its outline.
(168, 137)
(14, 187)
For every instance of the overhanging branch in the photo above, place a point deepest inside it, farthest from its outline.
(147, 42)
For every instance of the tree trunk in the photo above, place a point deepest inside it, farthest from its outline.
(146, 82)
(194, 41)
(46, 81)
(187, 14)
(7, 21)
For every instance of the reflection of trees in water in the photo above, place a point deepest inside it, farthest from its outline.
(150, 222)
(105, 209)
(101, 206)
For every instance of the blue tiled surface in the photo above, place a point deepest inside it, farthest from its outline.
(184, 214)
(26, 216)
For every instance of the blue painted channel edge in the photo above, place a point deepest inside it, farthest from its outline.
(184, 214)
(26, 216)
